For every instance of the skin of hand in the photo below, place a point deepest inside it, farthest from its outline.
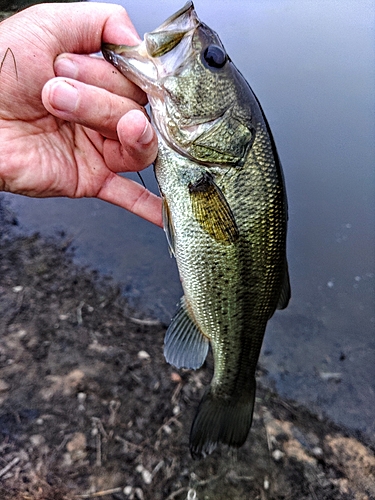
(69, 122)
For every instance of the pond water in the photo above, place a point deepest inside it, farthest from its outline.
(311, 64)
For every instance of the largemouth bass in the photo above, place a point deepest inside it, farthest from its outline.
(224, 212)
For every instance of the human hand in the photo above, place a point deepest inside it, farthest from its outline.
(69, 123)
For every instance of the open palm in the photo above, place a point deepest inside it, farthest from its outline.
(69, 123)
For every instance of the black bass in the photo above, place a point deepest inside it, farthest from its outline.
(224, 212)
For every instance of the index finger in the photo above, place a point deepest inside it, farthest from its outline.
(81, 27)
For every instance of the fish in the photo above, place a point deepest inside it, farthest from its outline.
(225, 214)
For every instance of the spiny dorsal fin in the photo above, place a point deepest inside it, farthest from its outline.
(184, 345)
(212, 211)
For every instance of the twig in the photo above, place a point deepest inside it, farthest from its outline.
(100, 432)
(269, 443)
(243, 478)
(79, 312)
(312, 492)
(99, 493)
(178, 492)
(9, 466)
(146, 322)
(176, 392)
(157, 468)
(113, 409)
(173, 419)
(129, 444)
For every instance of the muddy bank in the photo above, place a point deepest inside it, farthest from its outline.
(90, 409)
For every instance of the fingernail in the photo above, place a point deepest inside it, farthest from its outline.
(147, 134)
(64, 96)
(64, 66)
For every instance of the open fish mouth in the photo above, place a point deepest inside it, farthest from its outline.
(148, 63)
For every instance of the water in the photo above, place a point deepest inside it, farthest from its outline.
(312, 66)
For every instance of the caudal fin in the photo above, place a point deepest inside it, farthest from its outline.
(221, 420)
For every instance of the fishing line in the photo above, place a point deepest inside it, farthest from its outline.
(143, 182)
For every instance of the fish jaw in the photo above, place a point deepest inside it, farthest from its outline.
(150, 62)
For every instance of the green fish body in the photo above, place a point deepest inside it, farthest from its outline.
(224, 212)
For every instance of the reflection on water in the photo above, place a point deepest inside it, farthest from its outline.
(312, 66)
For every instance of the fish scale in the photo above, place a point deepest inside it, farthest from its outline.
(224, 213)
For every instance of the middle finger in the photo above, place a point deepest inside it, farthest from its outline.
(87, 105)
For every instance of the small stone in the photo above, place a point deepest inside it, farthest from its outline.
(167, 429)
(128, 490)
(17, 289)
(277, 455)
(175, 377)
(37, 440)
(146, 476)
(81, 396)
(176, 410)
(327, 376)
(143, 355)
(67, 460)
(317, 451)
(77, 446)
(139, 493)
(4, 386)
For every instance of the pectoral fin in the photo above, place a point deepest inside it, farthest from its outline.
(184, 345)
(212, 211)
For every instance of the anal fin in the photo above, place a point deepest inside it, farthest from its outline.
(184, 345)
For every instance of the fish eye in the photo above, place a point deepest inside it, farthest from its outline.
(214, 57)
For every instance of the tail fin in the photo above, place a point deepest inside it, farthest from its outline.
(221, 420)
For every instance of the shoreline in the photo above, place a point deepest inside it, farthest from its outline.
(89, 405)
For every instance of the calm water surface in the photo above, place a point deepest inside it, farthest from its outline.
(312, 66)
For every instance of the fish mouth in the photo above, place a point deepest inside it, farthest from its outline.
(148, 63)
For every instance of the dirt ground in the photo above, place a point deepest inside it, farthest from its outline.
(90, 409)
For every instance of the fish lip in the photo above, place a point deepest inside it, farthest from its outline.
(139, 63)
(188, 9)
(134, 63)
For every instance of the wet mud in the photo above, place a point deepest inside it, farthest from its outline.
(90, 409)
